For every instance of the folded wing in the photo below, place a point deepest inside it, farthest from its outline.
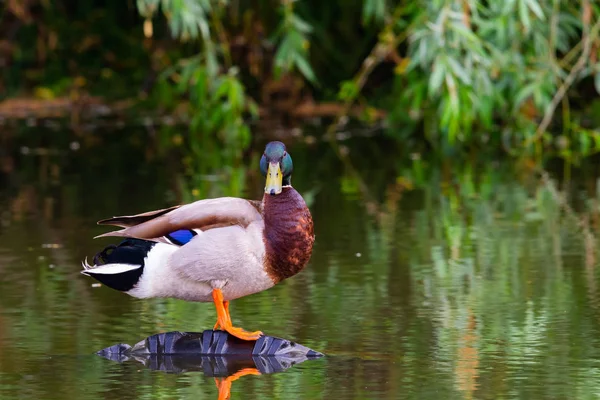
(201, 215)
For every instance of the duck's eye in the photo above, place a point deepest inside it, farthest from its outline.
(285, 153)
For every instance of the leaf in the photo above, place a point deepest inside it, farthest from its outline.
(437, 77)
(253, 109)
(216, 119)
(368, 10)
(282, 56)
(585, 142)
(534, 6)
(452, 91)
(509, 6)
(203, 25)
(420, 90)
(523, 94)
(464, 32)
(446, 114)
(146, 8)
(299, 24)
(348, 91)
(222, 88)
(305, 68)
(459, 71)
(201, 87)
(373, 10)
(210, 58)
(453, 128)
(45, 93)
(236, 94)
(596, 138)
(597, 78)
(524, 16)
(485, 110)
(380, 10)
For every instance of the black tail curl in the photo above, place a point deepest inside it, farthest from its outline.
(129, 251)
(101, 256)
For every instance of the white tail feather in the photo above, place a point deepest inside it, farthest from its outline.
(109, 269)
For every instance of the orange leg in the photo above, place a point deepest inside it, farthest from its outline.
(224, 384)
(224, 319)
(226, 306)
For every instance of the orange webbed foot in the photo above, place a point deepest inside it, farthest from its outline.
(224, 319)
(243, 334)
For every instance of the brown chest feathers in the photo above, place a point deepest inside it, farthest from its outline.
(289, 234)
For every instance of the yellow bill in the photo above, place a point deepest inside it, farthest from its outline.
(274, 179)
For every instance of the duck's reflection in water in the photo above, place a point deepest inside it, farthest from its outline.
(214, 353)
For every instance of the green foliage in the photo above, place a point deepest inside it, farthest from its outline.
(293, 44)
(373, 10)
(489, 71)
(472, 73)
(187, 19)
(513, 75)
(217, 130)
(217, 101)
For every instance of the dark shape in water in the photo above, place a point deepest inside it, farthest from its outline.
(215, 353)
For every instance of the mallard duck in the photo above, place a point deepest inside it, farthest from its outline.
(213, 250)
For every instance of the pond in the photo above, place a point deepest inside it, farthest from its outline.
(453, 283)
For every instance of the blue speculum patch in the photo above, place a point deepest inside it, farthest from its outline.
(181, 236)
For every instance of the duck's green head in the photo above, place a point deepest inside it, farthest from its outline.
(276, 164)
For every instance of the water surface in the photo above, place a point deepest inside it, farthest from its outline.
(450, 288)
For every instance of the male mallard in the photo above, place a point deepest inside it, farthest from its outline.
(213, 250)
